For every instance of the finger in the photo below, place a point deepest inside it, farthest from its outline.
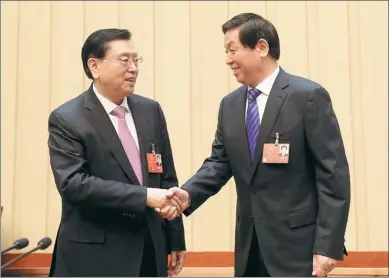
(170, 270)
(179, 202)
(316, 271)
(164, 211)
(163, 215)
(176, 203)
(158, 210)
(176, 200)
(320, 272)
(171, 213)
(170, 266)
(180, 264)
(173, 259)
(166, 216)
(314, 267)
(173, 216)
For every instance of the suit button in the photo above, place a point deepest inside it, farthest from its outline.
(251, 217)
(253, 192)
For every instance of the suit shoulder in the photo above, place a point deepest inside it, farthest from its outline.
(302, 84)
(234, 94)
(69, 110)
(144, 100)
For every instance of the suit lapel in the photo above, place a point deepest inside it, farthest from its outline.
(103, 125)
(142, 130)
(241, 139)
(273, 106)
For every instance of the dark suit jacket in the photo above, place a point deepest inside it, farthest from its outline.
(299, 208)
(103, 206)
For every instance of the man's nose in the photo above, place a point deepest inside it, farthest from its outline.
(133, 68)
(229, 61)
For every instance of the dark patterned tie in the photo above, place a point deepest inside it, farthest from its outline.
(252, 120)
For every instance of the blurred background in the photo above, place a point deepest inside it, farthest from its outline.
(341, 44)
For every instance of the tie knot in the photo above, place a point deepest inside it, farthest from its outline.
(119, 112)
(253, 94)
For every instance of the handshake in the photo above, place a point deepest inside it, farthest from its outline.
(168, 203)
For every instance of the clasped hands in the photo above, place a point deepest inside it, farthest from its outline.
(168, 203)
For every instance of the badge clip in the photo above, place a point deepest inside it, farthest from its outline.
(152, 148)
(277, 139)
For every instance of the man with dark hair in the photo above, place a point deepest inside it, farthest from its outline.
(99, 145)
(291, 214)
(284, 150)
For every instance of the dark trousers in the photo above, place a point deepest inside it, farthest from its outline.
(149, 266)
(255, 265)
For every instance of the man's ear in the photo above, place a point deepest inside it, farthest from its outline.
(262, 47)
(94, 67)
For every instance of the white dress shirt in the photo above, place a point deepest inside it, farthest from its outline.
(265, 87)
(109, 106)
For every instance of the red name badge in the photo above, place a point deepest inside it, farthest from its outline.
(275, 153)
(154, 161)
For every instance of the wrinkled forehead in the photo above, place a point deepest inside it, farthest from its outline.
(121, 48)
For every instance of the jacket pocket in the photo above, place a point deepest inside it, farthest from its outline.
(86, 235)
(302, 218)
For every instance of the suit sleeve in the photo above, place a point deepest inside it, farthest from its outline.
(213, 174)
(176, 232)
(332, 174)
(75, 184)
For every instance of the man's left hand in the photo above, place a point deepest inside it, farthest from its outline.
(322, 265)
(176, 262)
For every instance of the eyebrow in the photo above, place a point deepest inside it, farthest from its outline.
(128, 53)
(229, 43)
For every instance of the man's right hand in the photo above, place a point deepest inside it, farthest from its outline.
(181, 196)
(164, 202)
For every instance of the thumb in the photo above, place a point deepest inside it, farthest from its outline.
(314, 273)
(171, 192)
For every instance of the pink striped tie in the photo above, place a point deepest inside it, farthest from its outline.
(128, 142)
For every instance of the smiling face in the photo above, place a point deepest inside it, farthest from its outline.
(245, 62)
(117, 72)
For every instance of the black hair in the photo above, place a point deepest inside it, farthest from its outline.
(96, 45)
(252, 28)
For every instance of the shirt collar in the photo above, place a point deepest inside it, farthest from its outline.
(266, 85)
(108, 105)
